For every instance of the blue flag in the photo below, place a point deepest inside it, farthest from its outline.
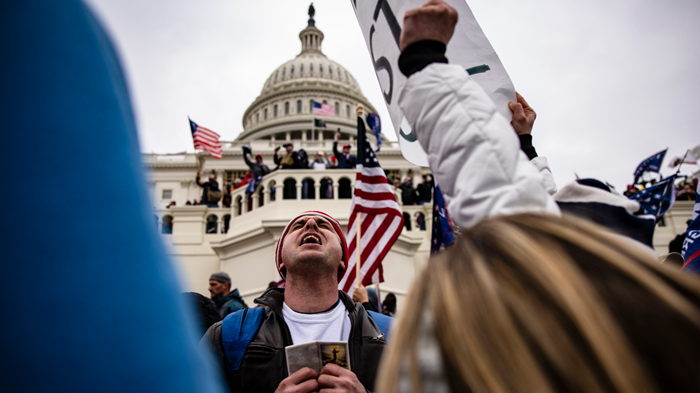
(651, 164)
(657, 199)
(375, 124)
(691, 245)
(443, 234)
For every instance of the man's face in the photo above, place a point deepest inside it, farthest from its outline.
(258, 160)
(346, 150)
(289, 149)
(212, 177)
(312, 247)
(217, 288)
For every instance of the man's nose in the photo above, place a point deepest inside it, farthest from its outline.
(311, 224)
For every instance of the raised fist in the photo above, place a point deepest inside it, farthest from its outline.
(435, 20)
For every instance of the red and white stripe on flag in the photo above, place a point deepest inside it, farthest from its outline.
(323, 109)
(382, 222)
(207, 140)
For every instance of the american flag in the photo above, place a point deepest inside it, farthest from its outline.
(382, 220)
(323, 109)
(207, 140)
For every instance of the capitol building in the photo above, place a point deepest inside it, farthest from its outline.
(241, 239)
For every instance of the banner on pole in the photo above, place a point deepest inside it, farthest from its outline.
(381, 22)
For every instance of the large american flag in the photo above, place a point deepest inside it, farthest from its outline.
(323, 109)
(207, 140)
(382, 220)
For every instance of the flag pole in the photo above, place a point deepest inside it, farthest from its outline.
(358, 219)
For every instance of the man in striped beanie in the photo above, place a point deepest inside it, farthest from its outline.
(311, 256)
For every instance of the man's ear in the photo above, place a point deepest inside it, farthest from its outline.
(282, 267)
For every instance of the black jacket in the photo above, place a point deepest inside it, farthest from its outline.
(256, 169)
(425, 191)
(213, 185)
(344, 163)
(264, 364)
(409, 196)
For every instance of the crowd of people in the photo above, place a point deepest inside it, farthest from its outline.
(545, 290)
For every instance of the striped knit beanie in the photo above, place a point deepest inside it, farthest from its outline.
(338, 230)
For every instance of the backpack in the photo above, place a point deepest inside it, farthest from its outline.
(239, 328)
(213, 196)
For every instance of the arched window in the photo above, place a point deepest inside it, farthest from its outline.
(291, 72)
(275, 110)
(346, 77)
(320, 68)
(284, 72)
(265, 116)
(276, 76)
(330, 70)
(301, 69)
(338, 72)
(311, 106)
(257, 117)
(299, 106)
(311, 68)
(347, 110)
(337, 108)
(286, 108)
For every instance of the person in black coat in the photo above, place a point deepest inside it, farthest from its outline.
(409, 196)
(425, 190)
(290, 160)
(345, 159)
(257, 168)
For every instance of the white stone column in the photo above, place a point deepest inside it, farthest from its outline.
(317, 188)
(244, 200)
(256, 200)
(299, 185)
(335, 189)
(266, 196)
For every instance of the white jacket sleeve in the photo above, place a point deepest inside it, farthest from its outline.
(547, 178)
(472, 150)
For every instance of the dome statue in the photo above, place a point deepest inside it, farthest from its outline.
(285, 101)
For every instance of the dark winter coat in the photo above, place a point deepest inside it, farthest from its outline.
(257, 170)
(264, 364)
(343, 163)
(230, 303)
(205, 308)
(211, 184)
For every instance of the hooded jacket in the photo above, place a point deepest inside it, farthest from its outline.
(264, 364)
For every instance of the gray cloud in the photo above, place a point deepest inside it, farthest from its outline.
(612, 82)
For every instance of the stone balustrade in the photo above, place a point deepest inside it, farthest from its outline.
(291, 191)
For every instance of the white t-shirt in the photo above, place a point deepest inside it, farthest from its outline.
(333, 325)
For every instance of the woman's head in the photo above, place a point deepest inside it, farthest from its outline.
(535, 303)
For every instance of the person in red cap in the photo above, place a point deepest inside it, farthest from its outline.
(311, 256)
(345, 159)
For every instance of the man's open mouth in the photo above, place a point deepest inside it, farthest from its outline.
(311, 239)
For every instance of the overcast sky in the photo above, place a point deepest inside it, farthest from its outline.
(612, 82)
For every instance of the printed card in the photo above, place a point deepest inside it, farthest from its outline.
(316, 354)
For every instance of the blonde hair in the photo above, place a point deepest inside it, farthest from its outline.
(529, 303)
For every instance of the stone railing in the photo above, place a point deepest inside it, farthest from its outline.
(295, 184)
(309, 145)
(282, 193)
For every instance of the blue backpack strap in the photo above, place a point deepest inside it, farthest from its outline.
(383, 323)
(237, 330)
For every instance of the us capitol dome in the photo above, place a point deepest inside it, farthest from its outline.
(284, 104)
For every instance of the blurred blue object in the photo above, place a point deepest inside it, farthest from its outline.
(90, 299)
